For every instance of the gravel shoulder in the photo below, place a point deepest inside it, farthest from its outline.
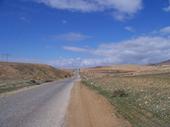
(89, 109)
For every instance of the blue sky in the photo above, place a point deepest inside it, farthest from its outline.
(67, 33)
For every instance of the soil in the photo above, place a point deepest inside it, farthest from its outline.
(89, 109)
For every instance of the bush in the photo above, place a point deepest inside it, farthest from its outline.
(119, 93)
(34, 82)
(49, 80)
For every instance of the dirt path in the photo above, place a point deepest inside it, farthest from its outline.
(88, 109)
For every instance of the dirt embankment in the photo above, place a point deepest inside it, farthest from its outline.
(88, 109)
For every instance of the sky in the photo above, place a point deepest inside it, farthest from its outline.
(80, 33)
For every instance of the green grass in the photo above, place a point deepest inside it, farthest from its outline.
(148, 100)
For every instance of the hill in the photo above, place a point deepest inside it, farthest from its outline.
(18, 75)
(167, 62)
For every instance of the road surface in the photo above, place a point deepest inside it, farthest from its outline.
(43, 106)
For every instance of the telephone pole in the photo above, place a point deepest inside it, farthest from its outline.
(5, 57)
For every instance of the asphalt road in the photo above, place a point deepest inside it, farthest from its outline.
(43, 106)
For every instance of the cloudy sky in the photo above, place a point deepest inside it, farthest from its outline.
(71, 33)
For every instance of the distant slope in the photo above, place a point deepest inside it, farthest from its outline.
(167, 62)
(122, 68)
(24, 71)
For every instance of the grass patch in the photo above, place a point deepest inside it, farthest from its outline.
(11, 85)
(8, 86)
(147, 100)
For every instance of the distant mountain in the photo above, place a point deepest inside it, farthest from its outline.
(167, 62)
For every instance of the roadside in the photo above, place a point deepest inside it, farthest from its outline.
(88, 109)
(142, 99)
(29, 87)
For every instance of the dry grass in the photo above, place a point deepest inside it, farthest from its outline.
(147, 103)
(30, 71)
(17, 75)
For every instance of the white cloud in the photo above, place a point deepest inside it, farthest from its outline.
(140, 50)
(130, 29)
(145, 49)
(25, 19)
(167, 9)
(80, 62)
(165, 30)
(121, 9)
(64, 21)
(72, 37)
(74, 49)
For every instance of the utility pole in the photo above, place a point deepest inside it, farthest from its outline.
(1, 57)
(5, 57)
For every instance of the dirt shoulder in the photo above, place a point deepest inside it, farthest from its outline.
(88, 109)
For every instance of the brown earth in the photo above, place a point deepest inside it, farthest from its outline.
(24, 71)
(125, 69)
(14, 76)
(89, 109)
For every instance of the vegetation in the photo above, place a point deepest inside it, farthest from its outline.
(14, 85)
(144, 100)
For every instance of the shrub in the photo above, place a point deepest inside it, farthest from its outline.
(119, 93)
(34, 82)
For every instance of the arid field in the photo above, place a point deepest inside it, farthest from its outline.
(139, 93)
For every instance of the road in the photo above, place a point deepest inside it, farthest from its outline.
(43, 106)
